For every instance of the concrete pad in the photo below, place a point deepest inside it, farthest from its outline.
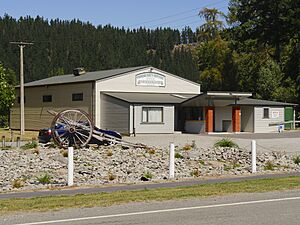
(288, 142)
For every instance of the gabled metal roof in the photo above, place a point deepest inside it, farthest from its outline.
(259, 102)
(216, 98)
(88, 76)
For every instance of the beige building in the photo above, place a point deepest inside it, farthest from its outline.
(131, 100)
(146, 100)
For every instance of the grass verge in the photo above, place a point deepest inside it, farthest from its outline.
(15, 133)
(121, 197)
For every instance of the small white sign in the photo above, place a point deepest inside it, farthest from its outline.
(275, 114)
(150, 79)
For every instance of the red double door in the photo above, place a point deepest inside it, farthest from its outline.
(236, 119)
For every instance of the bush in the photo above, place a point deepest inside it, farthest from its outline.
(109, 152)
(64, 153)
(36, 151)
(297, 160)
(148, 175)
(187, 147)
(178, 155)
(195, 173)
(201, 162)
(18, 183)
(44, 179)
(151, 151)
(111, 176)
(226, 142)
(269, 166)
(30, 145)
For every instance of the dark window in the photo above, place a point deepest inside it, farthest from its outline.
(77, 97)
(47, 98)
(19, 99)
(193, 113)
(266, 113)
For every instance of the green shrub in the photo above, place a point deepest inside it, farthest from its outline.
(226, 142)
(227, 167)
(44, 179)
(178, 155)
(269, 166)
(297, 160)
(30, 145)
(187, 147)
(148, 175)
(201, 162)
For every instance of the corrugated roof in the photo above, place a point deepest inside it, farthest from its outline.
(259, 102)
(88, 76)
(134, 97)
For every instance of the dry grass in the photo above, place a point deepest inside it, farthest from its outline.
(162, 194)
(28, 136)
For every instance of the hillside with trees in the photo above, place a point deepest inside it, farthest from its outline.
(255, 48)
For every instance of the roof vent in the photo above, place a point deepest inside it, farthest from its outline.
(78, 71)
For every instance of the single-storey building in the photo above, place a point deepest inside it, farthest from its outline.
(145, 99)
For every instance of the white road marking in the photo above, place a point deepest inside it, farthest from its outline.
(161, 211)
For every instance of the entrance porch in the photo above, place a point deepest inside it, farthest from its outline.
(212, 112)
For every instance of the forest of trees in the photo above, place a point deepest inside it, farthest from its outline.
(255, 48)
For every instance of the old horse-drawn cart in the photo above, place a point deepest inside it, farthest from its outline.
(74, 127)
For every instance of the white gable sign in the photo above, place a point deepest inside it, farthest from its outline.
(150, 79)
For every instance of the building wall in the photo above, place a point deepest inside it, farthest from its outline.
(114, 114)
(166, 127)
(247, 118)
(222, 113)
(36, 115)
(262, 125)
(126, 83)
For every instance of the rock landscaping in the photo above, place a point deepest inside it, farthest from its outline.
(46, 167)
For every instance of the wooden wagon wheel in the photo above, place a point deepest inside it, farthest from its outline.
(72, 127)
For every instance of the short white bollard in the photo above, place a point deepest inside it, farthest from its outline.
(70, 166)
(172, 161)
(253, 154)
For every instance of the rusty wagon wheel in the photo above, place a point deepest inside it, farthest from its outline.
(72, 127)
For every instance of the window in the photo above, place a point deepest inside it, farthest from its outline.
(47, 98)
(152, 114)
(193, 113)
(266, 113)
(77, 97)
(19, 99)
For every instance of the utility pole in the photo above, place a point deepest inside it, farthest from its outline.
(22, 110)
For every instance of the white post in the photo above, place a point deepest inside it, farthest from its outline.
(253, 154)
(70, 166)
(22, 126)
(294, 119)
(172, 161)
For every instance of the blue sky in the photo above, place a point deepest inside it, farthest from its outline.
(127, 13)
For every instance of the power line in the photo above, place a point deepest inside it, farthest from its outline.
(176, 14)
(153, 26)
(172, 21)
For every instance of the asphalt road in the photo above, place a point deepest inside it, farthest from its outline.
(242, 209)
